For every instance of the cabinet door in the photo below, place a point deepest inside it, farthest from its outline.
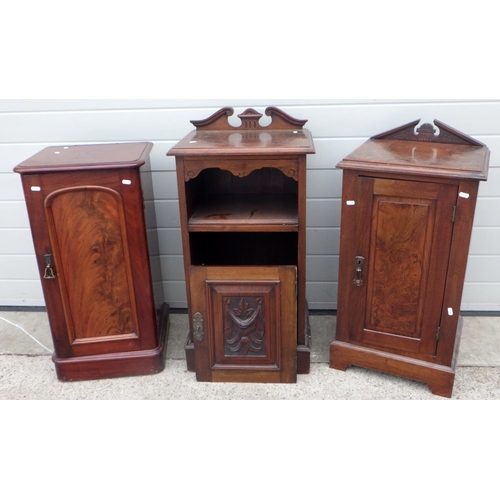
(91, 229)
(244, 323)
(399, 262)
(93, 268)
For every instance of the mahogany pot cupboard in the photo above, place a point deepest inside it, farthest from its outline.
(86, 211)
(242, 199)
(408, 201)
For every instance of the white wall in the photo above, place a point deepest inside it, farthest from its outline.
(338, 127)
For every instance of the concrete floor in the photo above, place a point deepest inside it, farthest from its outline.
(27, 371)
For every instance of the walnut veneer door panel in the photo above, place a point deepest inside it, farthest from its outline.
(405, 245)
(88, 235)
(244, 323)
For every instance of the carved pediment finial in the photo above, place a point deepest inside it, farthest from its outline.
(250, 120)
(428, 132)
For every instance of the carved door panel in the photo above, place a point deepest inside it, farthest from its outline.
(403, 242)
(244, 323)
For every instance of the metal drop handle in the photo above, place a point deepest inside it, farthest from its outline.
(48, 272)
(358, 270)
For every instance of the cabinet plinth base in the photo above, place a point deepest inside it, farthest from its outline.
(304, 350)
(189, 350)
(439, 378)
(121, 364)
(303, 357)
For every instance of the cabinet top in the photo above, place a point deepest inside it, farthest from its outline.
(86, 157)
(430, 150)
(216, 136)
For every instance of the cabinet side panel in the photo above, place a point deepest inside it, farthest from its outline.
(347, 249)
(150, 218)
(87, 233)
(448, 344)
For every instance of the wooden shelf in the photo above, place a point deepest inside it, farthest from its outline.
(253, 212)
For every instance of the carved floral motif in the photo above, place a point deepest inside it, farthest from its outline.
(244, 326)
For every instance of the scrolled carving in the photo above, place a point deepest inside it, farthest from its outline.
(280, 119)
(241, 170)
(250, 120)
(191, 175)
(244, 326)
(217, 121)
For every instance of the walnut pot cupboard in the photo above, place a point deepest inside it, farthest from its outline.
(86, 210)
(242, 207)
(408, 202)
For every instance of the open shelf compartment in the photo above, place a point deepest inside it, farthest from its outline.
(244, 248)
(246, 212)
(265, 200)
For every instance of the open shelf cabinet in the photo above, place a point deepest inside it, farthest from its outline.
(242, 207)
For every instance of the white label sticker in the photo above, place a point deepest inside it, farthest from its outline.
(350, 202)
(463, 195)
(36, 188)
(126, 181)
(450, 311)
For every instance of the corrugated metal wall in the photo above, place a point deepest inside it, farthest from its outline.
(338, 127)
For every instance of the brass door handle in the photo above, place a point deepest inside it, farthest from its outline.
(198, 327)
(358, 270)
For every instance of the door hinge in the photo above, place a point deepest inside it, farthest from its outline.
(453, 213)
(438, 332)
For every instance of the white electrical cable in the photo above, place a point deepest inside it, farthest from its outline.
(21, 328)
